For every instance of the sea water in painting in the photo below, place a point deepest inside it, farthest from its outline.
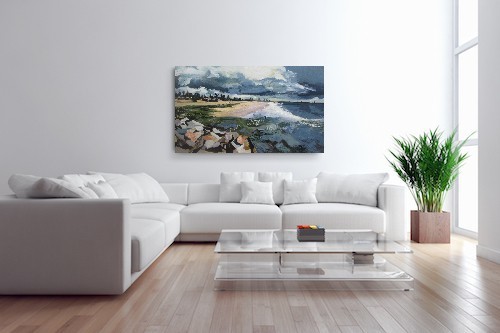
(222, 109)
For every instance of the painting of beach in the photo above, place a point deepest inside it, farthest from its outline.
(265, 109)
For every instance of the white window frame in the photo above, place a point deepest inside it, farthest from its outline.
(457, 50)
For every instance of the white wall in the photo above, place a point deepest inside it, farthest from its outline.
(489, 130)
(88, 85)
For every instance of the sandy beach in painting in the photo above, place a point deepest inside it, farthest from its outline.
(229, 108)
(240, 110)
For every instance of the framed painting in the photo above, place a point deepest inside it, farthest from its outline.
(265, 109)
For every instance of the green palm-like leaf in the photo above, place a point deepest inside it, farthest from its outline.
(429, 166)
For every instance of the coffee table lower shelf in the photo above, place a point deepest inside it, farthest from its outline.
(247, 272)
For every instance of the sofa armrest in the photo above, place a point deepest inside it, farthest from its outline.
(64, 246)
(391, 199)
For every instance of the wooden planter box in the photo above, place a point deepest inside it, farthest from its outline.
(430, 227)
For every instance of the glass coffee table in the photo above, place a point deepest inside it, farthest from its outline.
(275, 259)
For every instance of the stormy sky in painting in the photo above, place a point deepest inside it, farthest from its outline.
(278, 83)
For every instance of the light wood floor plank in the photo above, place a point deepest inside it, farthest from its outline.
(203, 313)
(338, 310)
(262, 314)
(282, 315)
(74, 324)
(351, 329)
(429, 304)
(242, 321)
(155, 329)
(320, 314)
(64, 316)
(453, 312)
(20, 311)
(425, 317)
(385, 320)
(222, 317)
(25, 329)
(303, 319)
(359, 312)
(400, 314)
(263, 329)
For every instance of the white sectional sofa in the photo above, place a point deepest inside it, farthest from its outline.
(101, 246)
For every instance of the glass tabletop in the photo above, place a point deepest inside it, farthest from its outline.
(285, 241)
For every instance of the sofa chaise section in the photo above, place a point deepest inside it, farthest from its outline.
(148, 241)
(65, 246)
(83, 246)
(155, 226)
(166, 213)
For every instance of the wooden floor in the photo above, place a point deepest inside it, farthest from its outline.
(454, 292)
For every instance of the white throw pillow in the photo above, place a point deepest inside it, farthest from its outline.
(137, 187)
(58, 188)
(257, 193)
(81, 180)
(358, 189)
(278, 180)
(300, 191)
(230, 187)
(103, 190)
(21, 184)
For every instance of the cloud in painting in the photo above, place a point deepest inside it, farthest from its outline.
(262, 81)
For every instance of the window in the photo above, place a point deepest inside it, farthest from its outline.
(466, 113)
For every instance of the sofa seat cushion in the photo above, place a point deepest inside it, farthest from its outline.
(160, 205)
(212, 217)
(334, 216)
(148, 240)
(170, 218)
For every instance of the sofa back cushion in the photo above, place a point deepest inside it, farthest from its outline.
(358, 189)
(201, 192)
(58, 188)
(137, 187)
(177, 192)
(257, 193)
(21, 184)
(91, 184)
(103, 190)
(82, 180)
(230, 185)
(27, 186)
(300, 192)
(278, 180)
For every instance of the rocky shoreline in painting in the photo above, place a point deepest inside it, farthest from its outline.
(194, 137)
(199, 130)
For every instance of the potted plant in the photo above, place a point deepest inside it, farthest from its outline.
(429, 166)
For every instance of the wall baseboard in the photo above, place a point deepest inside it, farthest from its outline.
(488, 253)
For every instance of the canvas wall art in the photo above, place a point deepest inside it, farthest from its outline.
(222, 109)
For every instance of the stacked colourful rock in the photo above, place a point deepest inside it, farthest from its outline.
(310, 233)
(307, 226)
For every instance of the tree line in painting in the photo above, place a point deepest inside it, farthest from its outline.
(187, 96)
